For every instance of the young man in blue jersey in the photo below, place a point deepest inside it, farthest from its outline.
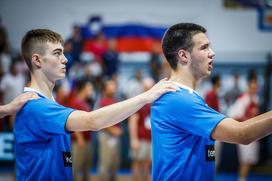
(42, 127)
(183, 126)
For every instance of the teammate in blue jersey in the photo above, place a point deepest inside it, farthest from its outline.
(183, 126)
(42, 127)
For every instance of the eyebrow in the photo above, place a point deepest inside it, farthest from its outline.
(57, 49)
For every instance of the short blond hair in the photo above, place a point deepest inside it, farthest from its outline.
(34, 41)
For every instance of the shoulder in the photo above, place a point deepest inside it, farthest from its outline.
(44, 110)
(179, 97)
(40, 105)
(38, 102)
(179, 101)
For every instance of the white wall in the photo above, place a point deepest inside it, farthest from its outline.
(229, 30)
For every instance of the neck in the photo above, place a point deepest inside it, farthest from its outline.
(185, 78)
(42, 85)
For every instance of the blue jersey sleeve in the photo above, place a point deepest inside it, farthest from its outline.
(45, 117)
(189, 112)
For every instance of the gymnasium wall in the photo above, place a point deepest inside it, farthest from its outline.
(229, 30)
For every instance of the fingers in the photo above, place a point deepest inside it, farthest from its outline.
(162, 87)
(24, 97)
(170, 86)
(18, 102)
(30, 95)
(27, 96)
(165, 86)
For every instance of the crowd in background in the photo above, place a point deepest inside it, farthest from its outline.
(92, 82)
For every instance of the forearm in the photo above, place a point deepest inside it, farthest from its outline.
(4, 110)
(113, 114)
(232, 131)
(106, 116)
(133, 127)
(257, 127)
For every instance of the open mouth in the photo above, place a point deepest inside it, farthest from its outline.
(210, 64)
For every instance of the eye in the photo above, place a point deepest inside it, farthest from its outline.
(204, 47)
(57, 53)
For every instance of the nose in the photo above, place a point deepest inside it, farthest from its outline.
(212, 53)
(64, 60)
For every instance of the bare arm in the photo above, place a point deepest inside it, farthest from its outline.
(16, 104)
(133, 131)
(80, 139)
(113, 114)
(232, 131)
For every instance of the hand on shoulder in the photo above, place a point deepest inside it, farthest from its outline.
(162, 87)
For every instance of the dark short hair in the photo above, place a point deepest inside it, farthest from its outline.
(81, 83)
(34, 40)
(179, 36)
(252, 75)
(215, 79)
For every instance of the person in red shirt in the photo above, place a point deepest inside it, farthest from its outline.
(81, 141)
(211, 97)
(109, 138)
(140, 139)
(244, 108)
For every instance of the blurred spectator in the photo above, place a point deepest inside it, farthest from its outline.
(21, 65)
(76, 43)
(97, 46)
(134, 86)
(76, 71)
(5, 58)
(244, 108)
(68, 53)
(140, 139)
(109, 139)
(156, 62)
(111, 60)
(12, 86)
(60, 94)
(81, 141)
(211, 97)
(93, 72)
(234, 92)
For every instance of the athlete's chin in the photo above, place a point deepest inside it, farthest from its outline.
(60, 77)
(208, 73)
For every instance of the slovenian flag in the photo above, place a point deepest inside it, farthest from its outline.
(130, 37)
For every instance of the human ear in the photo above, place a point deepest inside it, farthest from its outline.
(183, 56)
(35, 58)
